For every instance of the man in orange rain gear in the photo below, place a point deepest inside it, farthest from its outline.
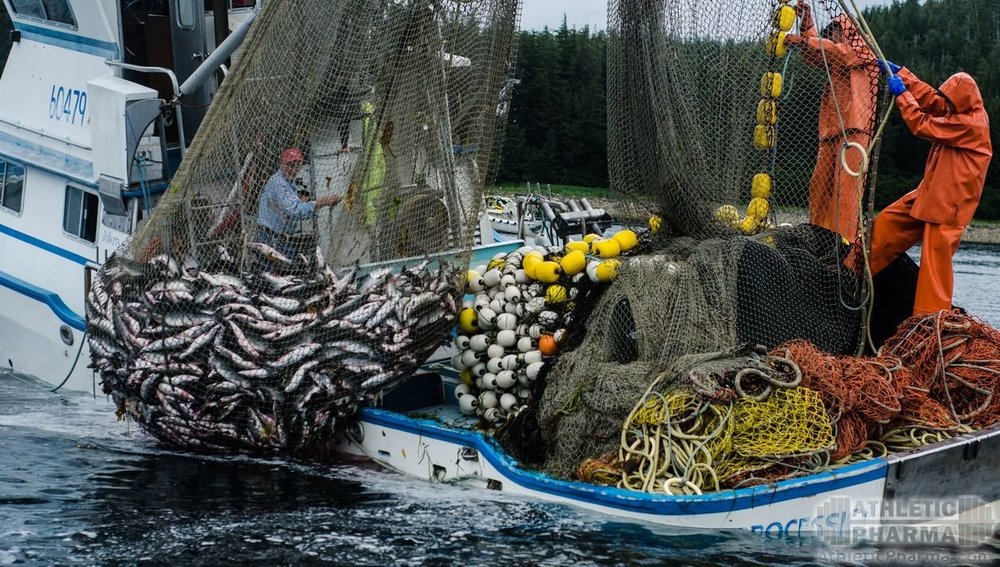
(954, 119)
(846, 116)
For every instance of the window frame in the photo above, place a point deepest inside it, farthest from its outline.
(3, 186)
(97, 213)
(69, 6)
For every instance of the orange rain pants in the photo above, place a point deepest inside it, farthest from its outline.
(834, 194)
(895, 231)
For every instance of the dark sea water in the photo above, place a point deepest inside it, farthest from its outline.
(79, 488)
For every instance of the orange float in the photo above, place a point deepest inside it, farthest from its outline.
(548, 345)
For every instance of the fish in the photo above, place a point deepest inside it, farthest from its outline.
(299, 375)
(258, 324)
(167, 264)
(354, 347)
(185, 319)
(103, 325)
(285, 304)
(380, 315)
(258, 373)
(376, 380)
(269, 253)
(241, 308)
(239, 361)
(200, 341)
(149, 386)
(362, 313)
(224, 280)
(279, 283)
(296, 355)
(285, 332)
(242, 341)
(171, 285)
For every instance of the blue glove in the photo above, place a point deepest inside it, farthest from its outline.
(887, 66)
(895, 85)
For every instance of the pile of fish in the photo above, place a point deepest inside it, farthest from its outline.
(275, 360)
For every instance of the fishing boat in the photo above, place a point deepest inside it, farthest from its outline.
(99, 102)
(104, 146)
(420, 432)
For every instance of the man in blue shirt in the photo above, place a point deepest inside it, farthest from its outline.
(280, 209)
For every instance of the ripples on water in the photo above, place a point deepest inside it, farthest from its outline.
(76, 487)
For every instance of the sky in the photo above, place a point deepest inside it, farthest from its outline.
(536, 14)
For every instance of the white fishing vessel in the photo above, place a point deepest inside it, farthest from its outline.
(94, 119)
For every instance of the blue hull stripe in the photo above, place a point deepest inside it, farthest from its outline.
(67, 40)
(638, 502)
(52, 248)
(54, 302)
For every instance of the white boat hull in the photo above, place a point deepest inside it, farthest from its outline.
(432, 452)
(961, 473)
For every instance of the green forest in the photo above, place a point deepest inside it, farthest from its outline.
(557, 129)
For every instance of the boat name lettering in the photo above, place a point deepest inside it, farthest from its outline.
(111, 240)
(68, 105)
(833, 524)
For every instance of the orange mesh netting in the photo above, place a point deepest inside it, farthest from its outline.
(956, 359)
(938, 372)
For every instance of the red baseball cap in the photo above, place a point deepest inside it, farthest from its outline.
(292, 154)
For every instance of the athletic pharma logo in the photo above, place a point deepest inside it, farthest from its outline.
(922, 530)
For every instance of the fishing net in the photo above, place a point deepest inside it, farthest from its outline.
(744, 416)
(714, 108)
(309, 251)
(746, 128)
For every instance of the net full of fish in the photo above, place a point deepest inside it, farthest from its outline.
(272, 361)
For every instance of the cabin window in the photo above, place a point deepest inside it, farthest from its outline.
(11, 186)
(80, 214)
(52, 11)
(186, 14)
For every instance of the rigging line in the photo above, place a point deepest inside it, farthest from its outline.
(83, 339)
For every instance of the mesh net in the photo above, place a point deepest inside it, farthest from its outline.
(726, 112)
(350, 132)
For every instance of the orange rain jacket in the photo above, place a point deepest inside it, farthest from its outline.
(846, 114)
(852, 67)
(960, 155)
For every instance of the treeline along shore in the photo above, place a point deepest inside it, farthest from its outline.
(558, 130)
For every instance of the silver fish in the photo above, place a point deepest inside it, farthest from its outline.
(257, 373)
(299, 375)
(376, 380)
(269, 252)
(380, 315)
(286, 304)
(167, 264)
(242, 340)
(185, 319)
(354, 347)
(296, 355)
(279, 283)
(239, 361)
(200, 342)
(362, 313)
(285, 332)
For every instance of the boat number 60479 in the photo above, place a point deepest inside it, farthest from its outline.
(68, 105)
